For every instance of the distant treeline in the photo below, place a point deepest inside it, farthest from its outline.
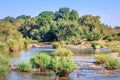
(62, 25)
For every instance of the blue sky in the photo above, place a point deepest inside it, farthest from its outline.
(108, 10)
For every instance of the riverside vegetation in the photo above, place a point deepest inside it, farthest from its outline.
(61, 65)
(64, 26)
(109, 61)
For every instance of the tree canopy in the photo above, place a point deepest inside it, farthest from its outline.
(64, 24)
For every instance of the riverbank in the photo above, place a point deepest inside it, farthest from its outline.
(43, 44)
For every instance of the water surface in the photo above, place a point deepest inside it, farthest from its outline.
(81, 55)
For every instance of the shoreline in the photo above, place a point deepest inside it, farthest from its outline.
(43, 44)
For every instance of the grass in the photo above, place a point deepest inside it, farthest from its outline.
(101, 58)
(62, 66)
(62, 52)
(112, 63)
(24, 67)
(56, 45)
(41, 61)
(4, 63)
(109, 61)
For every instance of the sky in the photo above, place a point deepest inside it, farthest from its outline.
(108, 10)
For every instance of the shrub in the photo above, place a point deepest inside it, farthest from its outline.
(56, 45)
(27, 41)
(93, 44)
(3, 71)
(24, 67)
(112, 63)
(115, 49)
(4, 48)
(110, 38)
(101, 58)
(41, 61)
(63, 43)
(62, 52)
(109, 61)
(4, 60)
(4, 63)
(62, 66)
(13, 45)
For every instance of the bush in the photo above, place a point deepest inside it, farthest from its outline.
(4, 63)
(101, 58)
(24, 67)
(93, 44)
(62, 52)
(12, 44)
(93, 36)
(112, 63)
(109, 61)
(62, 66)
(4, 60)
(110, 38)
(4, 48)
(3, 71)
(63, 43)
(115, 49)
(56, 45)
(41, 61)
(27, 41)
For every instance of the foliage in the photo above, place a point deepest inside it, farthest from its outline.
(63, 43)
(62, 52)
(109, 61)
(62, 25)
(27, 41)
(56, 45)
(112, 63)
(114, 46)
(110, 38)
(4, 63)
(94, 44)
(101, 58)
(4, 60)
(4, 48)
(3, 71)
(24, 67)
(62, 66)
(40, 60)
(9, 36)
(115, 49)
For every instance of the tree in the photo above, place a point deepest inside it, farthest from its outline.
(73, 15)
(63, 13)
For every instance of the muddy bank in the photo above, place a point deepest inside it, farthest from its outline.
(79, 46)
(43, 44)
(39, 44)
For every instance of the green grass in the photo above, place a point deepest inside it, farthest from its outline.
(24, 67)
(56, 45)
(93, 44)
(101, 58)
(62, 66)
(4, 64)
(112, 63)
(62, 52)
(109, 61)
(40, 60)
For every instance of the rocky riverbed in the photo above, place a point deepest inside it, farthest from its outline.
(84, 58)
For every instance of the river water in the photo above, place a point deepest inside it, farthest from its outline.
(81, 55)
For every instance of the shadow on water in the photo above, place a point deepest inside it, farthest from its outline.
(80, 54)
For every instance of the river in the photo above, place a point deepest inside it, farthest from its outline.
(81, 56)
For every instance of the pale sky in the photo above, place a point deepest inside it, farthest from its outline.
(108, 10)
